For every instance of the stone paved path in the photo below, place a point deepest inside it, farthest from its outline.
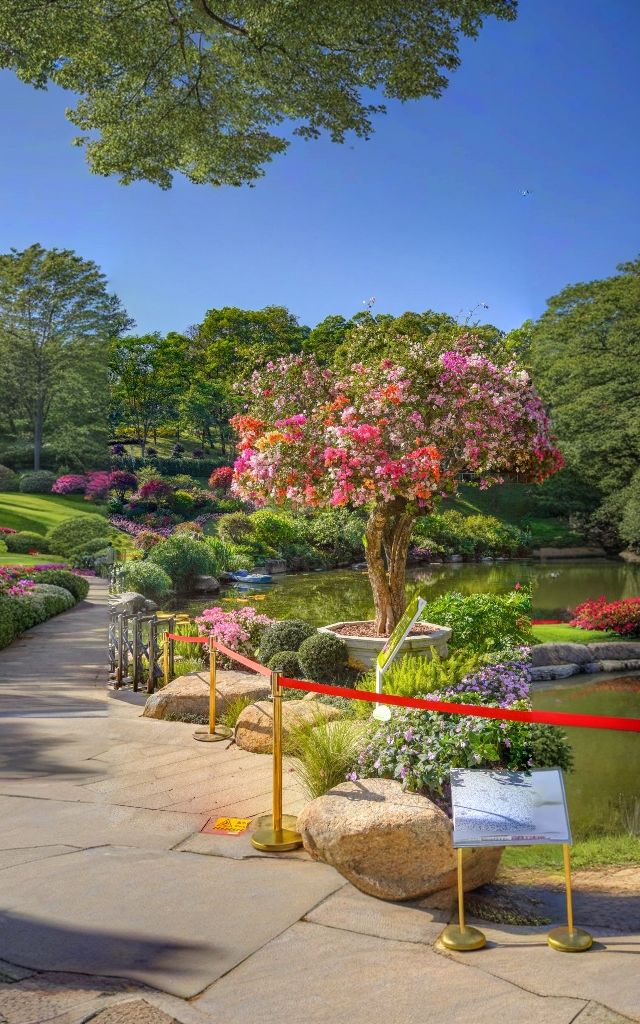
(115, 908)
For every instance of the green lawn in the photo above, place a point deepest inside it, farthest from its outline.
(570, 634)
(6, 558)
(39, 512)
(511, 503)
(585, 853)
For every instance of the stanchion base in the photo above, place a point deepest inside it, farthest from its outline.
(221, 733)
(462, 939)
(270, 840)
(565, 941)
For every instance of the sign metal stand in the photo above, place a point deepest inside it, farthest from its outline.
(392, 648)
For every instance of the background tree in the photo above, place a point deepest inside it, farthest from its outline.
(56, 321)
(138, 393)
(197, 87)
(581, 356)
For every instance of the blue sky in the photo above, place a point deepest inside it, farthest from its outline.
(428, 214)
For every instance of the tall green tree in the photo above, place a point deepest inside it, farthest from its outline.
(56, 321)
(138, 395)
(231, 342)
(584, 355)
(198, 87)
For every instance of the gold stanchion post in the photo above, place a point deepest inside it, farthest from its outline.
(214, 733)
(569, 939)
(461, 937)
(277, 832)
(165, 657)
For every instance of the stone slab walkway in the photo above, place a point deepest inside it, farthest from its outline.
(115, 908)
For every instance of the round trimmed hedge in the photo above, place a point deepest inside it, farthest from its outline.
(9, 481)
(76, 530)
(323, 657)
(76, 585)
(286, 663)
(146, 578)
(39, 481)
(283, 636)
(25, 541)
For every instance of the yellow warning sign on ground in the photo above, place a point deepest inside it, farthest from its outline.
(226, 826)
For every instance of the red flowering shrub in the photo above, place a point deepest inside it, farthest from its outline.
(155, 491)
(98, 484)
(621, 617)
(220, 479)
(70, 483)
(7, 529)
(120, 481)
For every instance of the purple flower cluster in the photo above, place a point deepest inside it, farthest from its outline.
(502, 685)
(135, 529)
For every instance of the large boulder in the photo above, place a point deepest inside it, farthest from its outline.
(389, 843)
(254, 727)
(545, 673)
(206, 585)
(561, 654)
(131, 603)
(623, 650)
(189, 694)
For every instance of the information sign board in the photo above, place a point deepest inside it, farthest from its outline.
(502, 808)
(394, 643)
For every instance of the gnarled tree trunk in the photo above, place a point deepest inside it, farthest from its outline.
(388, 535)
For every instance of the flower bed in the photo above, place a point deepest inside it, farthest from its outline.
(240, 630)
(33, 594)
(621, 617)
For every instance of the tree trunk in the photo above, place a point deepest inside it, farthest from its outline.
(388, 534)
(38, 422)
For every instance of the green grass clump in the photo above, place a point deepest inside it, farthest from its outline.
(568, 634)
(232, 713)
(39, 513)
(325, 752)
(592, 852)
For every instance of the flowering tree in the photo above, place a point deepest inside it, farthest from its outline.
(390, 437)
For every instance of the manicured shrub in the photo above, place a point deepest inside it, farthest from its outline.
(76, 530)
(3, 546)
(9, 481)
(183, 558)
(236, 527)
(284, 636)
(37, 482)
(220, 479)
(25, 541)
(53, 598)
(70, 483)
(76, 585)
(146, 578)
(286, 663)
(621, 617)
(484, 622)
(182, 502)
(90, 547)
(8, 629)
(276, 529)
(323, 657)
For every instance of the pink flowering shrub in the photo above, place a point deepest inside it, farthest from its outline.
(120, 481)
(70, 483)
(7, 529)
(239, 629)
(389, 437)
(97, 485)
(621, 617)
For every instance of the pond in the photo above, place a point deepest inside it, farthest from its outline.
(323, 597)
(605, 783)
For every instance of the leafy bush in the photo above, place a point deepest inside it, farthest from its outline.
(182, 502)
(411, 675)
(286, 663)
(236, 527)
(220, 553)
(146, 578)
(76, 530)
(284, 636)
(120, 482)
(155, 491)
(621, 617)
(325, 753)
(9, 481)
(98, 483)
(53, 598)
(90, 547)
(275, 529)
(8, 630)
(472, 536)
(70, 483)
(484, 622)
(323, 657)
(337, 534)
(3, 546)
(37, 482)
(183, 558)
(25, 541)
(76, 585)
(420, 747)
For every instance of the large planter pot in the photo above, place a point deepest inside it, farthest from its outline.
(363, 650)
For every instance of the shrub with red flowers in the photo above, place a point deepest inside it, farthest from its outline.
(221, 478)
(389, 437)
(7, 529)
(621, 617)
(120, 481)
(155, 491)
(70, 483)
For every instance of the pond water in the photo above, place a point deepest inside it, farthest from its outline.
(606, 780)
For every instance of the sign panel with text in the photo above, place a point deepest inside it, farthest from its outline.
(502, 808)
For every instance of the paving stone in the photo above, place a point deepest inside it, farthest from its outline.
(354, 911)
(316, 975)
(135, 1011)
(594, 1013)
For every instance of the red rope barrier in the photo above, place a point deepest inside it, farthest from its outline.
(188, 639)
(506, 714)
(262, 669)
